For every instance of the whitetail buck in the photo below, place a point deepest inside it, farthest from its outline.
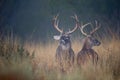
(87, 53)
(64, 53)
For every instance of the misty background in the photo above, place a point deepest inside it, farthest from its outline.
(33, 18)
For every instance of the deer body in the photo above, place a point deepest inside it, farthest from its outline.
(87, 54)
(64, 53)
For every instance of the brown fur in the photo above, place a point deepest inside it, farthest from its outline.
(87, 54)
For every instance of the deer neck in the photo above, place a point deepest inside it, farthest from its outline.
(87, 45)
(65, 47)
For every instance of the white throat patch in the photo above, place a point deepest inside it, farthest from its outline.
(65, 47)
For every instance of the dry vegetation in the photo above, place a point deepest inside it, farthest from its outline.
(32, 61)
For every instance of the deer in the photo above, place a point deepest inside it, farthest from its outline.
(64, 52)
(87, 53)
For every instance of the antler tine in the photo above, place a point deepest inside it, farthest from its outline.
(71, 31)
(75, 17)
(56, 22)
(76, 26)
(97, 27)
(82, 27)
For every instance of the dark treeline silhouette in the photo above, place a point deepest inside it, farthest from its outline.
(33, 18)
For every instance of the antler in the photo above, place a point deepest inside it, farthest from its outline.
(76, 26)
(97, 27)
(55, 23)
(82, 27)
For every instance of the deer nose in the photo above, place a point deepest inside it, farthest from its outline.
(98, 43)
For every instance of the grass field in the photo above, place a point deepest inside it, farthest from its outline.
(36, 61)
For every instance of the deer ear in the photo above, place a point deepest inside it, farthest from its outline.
(57, 37)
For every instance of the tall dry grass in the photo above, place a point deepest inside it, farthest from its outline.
(107, 68)
(44, 67)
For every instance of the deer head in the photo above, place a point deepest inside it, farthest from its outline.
(90, 41)
(64, 37)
